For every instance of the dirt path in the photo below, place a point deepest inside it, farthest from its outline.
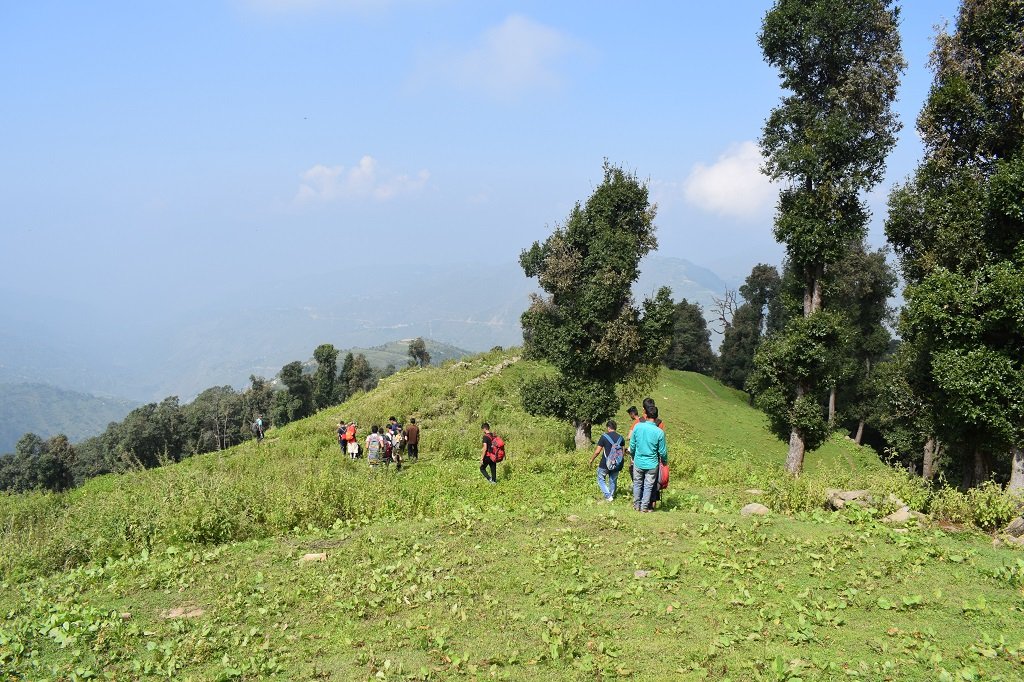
(701, 380)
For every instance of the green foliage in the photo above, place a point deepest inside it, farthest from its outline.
(958, 230)
(38, 465)
(690, 349)
(418, 354)
(587, 326)
(840, 61)
(802, 353)
(986, 506)
(793, 494)
(759, 315)
(325, 376)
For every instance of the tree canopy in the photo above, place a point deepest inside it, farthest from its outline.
(587, 326)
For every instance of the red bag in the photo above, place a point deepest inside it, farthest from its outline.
(662, 476)
(497, 452)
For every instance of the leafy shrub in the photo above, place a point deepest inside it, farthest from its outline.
(785, 493)
(991, 507)
(988, 506)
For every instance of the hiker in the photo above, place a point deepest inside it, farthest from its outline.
(656, 490)
(412, 439)
(352, 441)
(391, 442)
(374, 447)
(609, 446)
(394, 428)
(487, 455)
(258, 428)
(342, 427)
(649, 449)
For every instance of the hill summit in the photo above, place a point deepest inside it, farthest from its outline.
(287, 559)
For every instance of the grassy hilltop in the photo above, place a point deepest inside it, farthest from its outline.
(193, 571)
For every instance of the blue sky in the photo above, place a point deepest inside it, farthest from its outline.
(162, 153)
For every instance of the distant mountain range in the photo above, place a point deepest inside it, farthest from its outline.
(150, 353)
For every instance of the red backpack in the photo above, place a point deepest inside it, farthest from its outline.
(497, 448)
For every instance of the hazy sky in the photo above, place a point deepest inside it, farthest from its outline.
(156, 151)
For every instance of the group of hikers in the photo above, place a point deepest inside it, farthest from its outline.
(645, 446)
(383, 445)
(647, 450)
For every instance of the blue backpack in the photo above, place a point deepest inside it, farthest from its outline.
(614, 457)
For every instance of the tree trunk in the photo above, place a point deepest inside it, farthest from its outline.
(930, 455)
(832, 406)
(860, 431)
(583, 440)
(1016, 484)
(981, 468)
(795, 459)
(816, 294)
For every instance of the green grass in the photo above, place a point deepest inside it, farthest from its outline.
(432, 574)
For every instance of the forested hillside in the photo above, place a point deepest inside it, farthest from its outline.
(48, 410)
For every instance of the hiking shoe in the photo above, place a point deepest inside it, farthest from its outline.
(492, 482)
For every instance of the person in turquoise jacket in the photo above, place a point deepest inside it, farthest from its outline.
(649, 448)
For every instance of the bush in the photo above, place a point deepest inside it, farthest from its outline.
(988, 506)
(784, 493)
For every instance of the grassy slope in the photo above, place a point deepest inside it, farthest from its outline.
(432, 574)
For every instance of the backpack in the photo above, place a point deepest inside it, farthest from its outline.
(256, 428)
(497, 448)
(614, 458)
(662, 476)
(374, 446)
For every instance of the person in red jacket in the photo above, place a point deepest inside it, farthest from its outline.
(487, 460)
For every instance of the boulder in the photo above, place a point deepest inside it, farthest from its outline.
(313, 557)
(901, 515)
(1016, 527)
(837, 499)
(894, 501)
(754, 509)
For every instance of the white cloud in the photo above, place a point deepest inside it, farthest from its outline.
(507, 60)
(733, 186)
(364, 180)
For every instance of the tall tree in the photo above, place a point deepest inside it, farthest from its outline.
(418, 354)
(361, 377)
(958, 228)
(325, 376)
(840, 61)
(257, 400)
(587, 326)
(749, 324)
(860, 285)
(690, 349)
(345, 377)
(214, 420)
(296, 401)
